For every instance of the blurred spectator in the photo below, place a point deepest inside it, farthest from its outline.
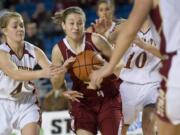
(32, 34)
(1, 4)
(69, 3)
(40, 13)
(48, 29)
(124, 1)
(58, 6)
(25, 17)
(8, 4)
(91, 2)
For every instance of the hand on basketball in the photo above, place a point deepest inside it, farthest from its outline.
(91, 85)
(68, 62)
(96, 76)
(73, 95)
(85, 62)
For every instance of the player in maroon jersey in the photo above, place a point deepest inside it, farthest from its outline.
(98, 109)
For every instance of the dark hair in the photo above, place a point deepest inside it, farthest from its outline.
(61, 16)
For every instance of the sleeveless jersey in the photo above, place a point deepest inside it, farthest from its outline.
(171, 24)
(110, 85)
(10, 88)
(142, 67)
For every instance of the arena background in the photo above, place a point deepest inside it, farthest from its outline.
(41, 31)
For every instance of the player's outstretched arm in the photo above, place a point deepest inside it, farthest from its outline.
(152, 49)
(10, 68)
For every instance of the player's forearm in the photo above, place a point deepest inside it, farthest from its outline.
(154, 51)
(118, 68)
(122, 44)
(57, 82)
(23, 75)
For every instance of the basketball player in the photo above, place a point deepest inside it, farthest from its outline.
(167, 125)
(145, 66)
(100, 108)
(141, 80)
(171, 28)
(18, 102)
(105, 12)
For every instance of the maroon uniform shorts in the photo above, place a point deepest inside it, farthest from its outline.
(104, 115)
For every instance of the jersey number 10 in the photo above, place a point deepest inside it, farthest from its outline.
(140, 60)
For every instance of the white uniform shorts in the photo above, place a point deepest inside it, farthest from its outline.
(135, 97)
(17, 114)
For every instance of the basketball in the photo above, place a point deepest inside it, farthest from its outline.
(85, 62)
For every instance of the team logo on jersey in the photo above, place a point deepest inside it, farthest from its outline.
(25, 68)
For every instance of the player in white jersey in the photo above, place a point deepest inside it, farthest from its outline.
(140, 75)
(170, 13)
(18, 103)
(141, 80)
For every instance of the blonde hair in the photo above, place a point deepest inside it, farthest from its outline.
(61, 16)
(4, 19)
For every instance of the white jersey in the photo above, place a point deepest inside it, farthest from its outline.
(10, 88)
(171, 23)
(141, 66)
(110, 30)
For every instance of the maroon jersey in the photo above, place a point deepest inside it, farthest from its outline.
(109, 87)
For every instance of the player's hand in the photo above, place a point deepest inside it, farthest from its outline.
(68, 62)
(90, 85)
(96, 76)
(101, 25)
(51, 71)
(139, 42)
(73, 95)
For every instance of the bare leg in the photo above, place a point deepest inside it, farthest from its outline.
(148, 120)
(83, 132)
(124, 129)
(31, 129)
(165, 128)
